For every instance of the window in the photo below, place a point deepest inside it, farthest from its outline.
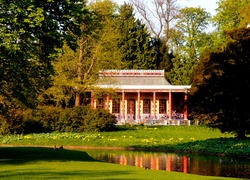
(116, 106)
(146, 106)
(162, 106)
(99, 103)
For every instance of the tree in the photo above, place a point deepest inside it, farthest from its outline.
(109, 53)
(188, 41)
(76, 71)
(61, 93)
(87, 41)
(230, 14)
(221, 86)
(134, 41)
(158, 15)
(31, 35)
(163, 56)
(246, 16)
(98, 49)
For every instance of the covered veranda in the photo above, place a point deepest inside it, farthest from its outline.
(143, 97)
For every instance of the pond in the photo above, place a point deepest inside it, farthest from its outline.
(193, 164)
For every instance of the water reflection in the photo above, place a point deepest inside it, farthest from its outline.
(194, 164)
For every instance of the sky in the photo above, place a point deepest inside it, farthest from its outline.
(209, 5)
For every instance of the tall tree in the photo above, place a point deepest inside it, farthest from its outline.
(31, 35)
(158, 15)
(134, 41)
(220, 89)
(87, 40)
(229, 14)
(76, 71)
(163, 56)
(98, 50)
(246, 16)
(109, 54)
(189, 39)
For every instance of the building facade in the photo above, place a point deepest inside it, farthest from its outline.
(143, 96)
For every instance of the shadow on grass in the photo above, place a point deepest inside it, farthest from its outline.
(19, 155)
(21, 163)
(48, 174)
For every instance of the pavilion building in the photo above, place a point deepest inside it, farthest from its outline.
(143, 96)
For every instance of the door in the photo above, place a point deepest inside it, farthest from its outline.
(131, 109)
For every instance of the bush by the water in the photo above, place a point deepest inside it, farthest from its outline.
(54, 119)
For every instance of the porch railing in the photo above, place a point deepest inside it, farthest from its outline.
(149, 119)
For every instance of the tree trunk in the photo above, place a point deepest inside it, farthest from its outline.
(79, 72)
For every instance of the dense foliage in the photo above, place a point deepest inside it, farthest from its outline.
(53, 119)
(188, 40)
(31, 35)
(230, 14)
(134, 41)
(220, 89)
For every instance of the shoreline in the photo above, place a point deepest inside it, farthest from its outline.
(69, 147)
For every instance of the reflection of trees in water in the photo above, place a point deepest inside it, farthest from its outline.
(203, 165)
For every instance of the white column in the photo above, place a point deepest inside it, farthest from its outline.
(138, 105)
(123, 105)
(170, 104)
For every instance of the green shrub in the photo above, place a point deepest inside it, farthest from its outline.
(48, 116)
(77, 116)
(85, 118)
(52, 119)
(99, 120)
